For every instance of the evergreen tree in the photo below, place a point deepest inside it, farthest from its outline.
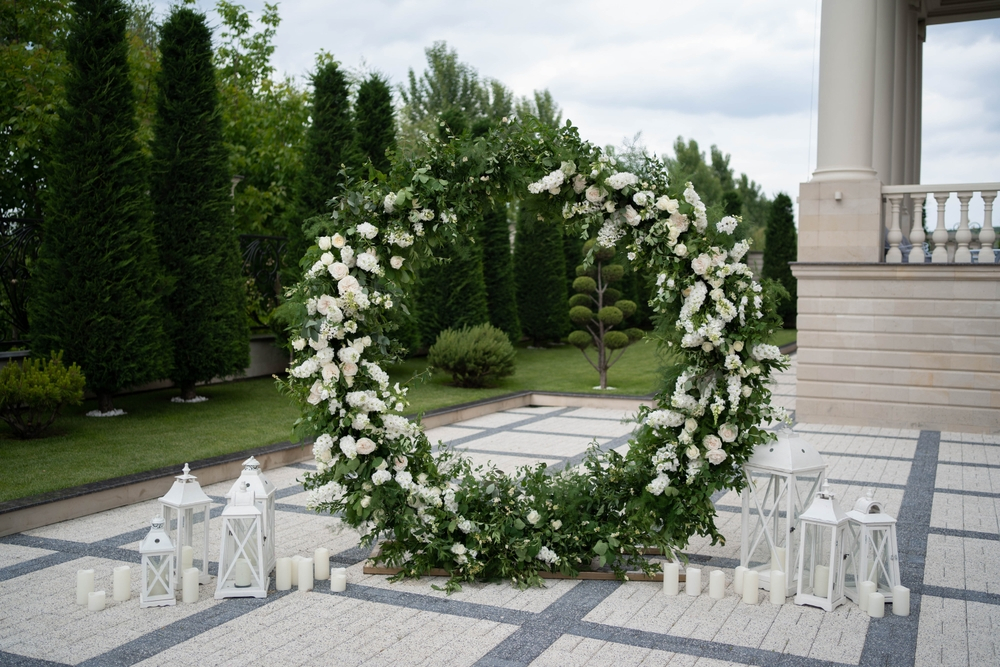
(498, 272)
(781, 248)
(540, 274)
(452, 295)
(96, 280)
(206, 315)
(376, 122)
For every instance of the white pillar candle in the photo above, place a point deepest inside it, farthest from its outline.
(671, 577)
(717, 585)
(242, 575)
(84, 585)
(738, 579)
(876, 605)
(339, 570)
(821, 581)
(295, 569)
(692, 584)
(189, 587)
(187, 557)
(778, 559)
(306, 574)
(283, 574)
(321, 564)
(122, 589)
(751, 582)
(864, 591)
(338, 583)
(900, 600)
(95, 601)
(777, 587)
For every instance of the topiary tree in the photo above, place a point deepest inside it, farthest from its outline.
(97, 280)
(498, 272)
(594, 293)
(206, 317)
(539, 269)
(781, 247)
(375, 122)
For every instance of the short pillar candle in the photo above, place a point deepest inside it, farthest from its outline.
(189, 585)
(900, 601)
(876, 605)
(306, 574)
(95, 601)
(84, 585)
(738, 579)
(865, 590)
(822, 581)
(751, 584)
(187, 557)
(777, 587)
(338, 582)
(283, 574)
(321, 564)
(717, 585)
(295, 569)
(122, 589)
(671, 577)
(692, 581)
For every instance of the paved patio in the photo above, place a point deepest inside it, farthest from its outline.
(943, 487)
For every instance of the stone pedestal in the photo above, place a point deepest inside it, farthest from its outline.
(844, 229)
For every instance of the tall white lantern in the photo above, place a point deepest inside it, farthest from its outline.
(782, 477)
(241, 552)
(157, 554)
(253, 480)
(873, 548)
(183, 505)
(823, 554)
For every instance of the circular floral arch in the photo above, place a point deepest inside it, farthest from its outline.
(376, 468)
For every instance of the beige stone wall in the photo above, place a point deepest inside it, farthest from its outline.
(844, 230)
(899, 346)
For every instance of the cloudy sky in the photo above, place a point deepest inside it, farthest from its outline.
(738, 74)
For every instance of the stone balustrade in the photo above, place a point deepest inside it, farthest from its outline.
(899, 196)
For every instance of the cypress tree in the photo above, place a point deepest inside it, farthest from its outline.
(375, 122)
(206, 315)
(452, 295)
(97, 276)
(498, 272)
(540, 274)
(780, 248)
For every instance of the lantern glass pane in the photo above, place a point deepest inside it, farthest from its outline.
(156, 575)
(769, 531)
(816, 569)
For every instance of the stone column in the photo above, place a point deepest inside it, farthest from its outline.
(899, 96)
(885, 69)
(918, 129)
(846, 90)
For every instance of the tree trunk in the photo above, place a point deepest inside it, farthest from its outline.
(187, 391)
(104, 402)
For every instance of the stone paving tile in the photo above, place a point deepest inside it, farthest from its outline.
(449, 433)
(540, 445)
(992, 439)
(535, 410)
(943, 635)
(573, 651)
(957, 512)
(600, 413)
(100, 526)
(968, 478)
(508, 464)
(13, 554)
(963, 563)
(496, 420)
(591, 428)
(969, 453)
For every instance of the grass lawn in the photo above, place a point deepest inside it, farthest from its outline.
(251, 413)
(784, 337)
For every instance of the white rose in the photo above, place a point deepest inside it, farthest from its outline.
(396, 262)
(348, 284)
(632, 217)
(746, 392)
(680, 250)
(389, 202)
(381, 477)
(339, 270)
(738, 346)
(331, 373)
(349, 354)
(716, 456)
(640, 198)
(579, 184)
(712, 442)
(534, 517)
(557, 524)
(366, 446)
(595, 195)
(324, 242)
(338, 241)
(663, 202)
(348, 446)
(728, 432)
(692, 452)
(326, 258)
(707, 347)
(690, 425)
(299, 344)
(366, 501)
(399, 463)
(458, 548)
(701, 264)
(349, 368)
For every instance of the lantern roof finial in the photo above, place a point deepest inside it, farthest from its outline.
(185, 492)
(788, 454)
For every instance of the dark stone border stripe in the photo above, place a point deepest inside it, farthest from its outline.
(34, 565)
(967, 442)
(964, 492)
(908, 438)
(15, 660)
(962, 594)
(878, 457)
(963, 464)
(964, 534)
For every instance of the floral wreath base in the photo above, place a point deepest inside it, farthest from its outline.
(375, 467)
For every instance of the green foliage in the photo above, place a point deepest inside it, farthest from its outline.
(475, 356)
(97, 280)
(206, 319)
(626, 307)
(581, 315)
(782, 248)
(609, 316)
(540, 274)
(584, 285)
(616, 340)
(264, 121)
(452, 294)
(498, 272)
(33, 392)
(580, 339)
(375, 122)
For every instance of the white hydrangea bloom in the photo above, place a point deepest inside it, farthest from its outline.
(727, 225)
(547, 555)
(367, 230)
(621, 180)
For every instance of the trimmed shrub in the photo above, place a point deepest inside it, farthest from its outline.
(475, 356)
(32, 393)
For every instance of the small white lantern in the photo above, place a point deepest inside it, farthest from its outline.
(873, 549)
(781, 479)
(157, 568)
(186, 502)
(253, 480)
(823, 553)
(241, 552)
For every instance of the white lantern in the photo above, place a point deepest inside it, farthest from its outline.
(873, 549)
(253, 480)
(823, 553)
(241, 552)
(157, 568)
(781, 479)
(186, 503)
